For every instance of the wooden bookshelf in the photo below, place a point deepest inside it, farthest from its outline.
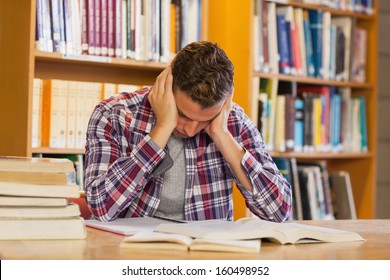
(233, 28)
(21, 63)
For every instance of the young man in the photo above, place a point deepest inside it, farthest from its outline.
(174, 149)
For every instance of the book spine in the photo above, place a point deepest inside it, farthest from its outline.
(55, 24)
(91, 26)
(310, 68)
(110, 28)
(289, 122)
(84, 26)
(284, 64)
(118, 28)
(68, 26)
(316, 26)
(103, 27)
(98, 31)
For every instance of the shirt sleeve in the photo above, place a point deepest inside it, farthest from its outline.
(115, 174)
(271, 196)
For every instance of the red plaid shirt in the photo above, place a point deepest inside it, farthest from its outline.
(120, 159)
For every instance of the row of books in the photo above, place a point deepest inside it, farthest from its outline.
(317, 193)
(357, 6)
(35, 199)
(61, 110)
(149, 30)
(314, 119)
(310, 43)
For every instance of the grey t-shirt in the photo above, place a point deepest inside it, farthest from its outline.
(172, 194)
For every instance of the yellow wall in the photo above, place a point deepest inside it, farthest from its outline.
(229, 26)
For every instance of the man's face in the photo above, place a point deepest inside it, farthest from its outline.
(192, 118)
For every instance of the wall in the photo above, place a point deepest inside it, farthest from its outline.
(383, 184)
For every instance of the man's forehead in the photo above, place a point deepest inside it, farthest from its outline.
(193, 111)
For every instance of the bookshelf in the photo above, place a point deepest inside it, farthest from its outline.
(238, 41)
(21, 63)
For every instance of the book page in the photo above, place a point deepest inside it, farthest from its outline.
(251, 228)
(127, 226)
(156, 241)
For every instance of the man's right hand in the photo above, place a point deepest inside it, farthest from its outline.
(163, 104)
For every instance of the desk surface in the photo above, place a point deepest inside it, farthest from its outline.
(102, 245)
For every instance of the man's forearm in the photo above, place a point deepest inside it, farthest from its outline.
(233, 153)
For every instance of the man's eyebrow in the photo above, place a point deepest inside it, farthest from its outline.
(183, 115)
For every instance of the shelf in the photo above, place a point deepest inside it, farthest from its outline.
(336, 12)
(100, 61)
(319, 156)
(95, 68)
(57, 151)
(313, 81)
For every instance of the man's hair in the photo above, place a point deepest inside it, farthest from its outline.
(204, 73)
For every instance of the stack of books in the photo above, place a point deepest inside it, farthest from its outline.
(34, 201)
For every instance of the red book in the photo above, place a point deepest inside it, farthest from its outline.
(110, 27)
(118, 28)
(91, 26)
(103, 27)
(98, 47)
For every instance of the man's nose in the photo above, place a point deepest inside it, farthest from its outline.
(191, 128)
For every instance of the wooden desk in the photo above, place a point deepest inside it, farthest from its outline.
(102, 245)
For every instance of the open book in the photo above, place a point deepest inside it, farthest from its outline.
(128, 226)
(253, 228)
(167, 241)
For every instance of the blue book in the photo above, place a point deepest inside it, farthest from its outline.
(363, 123)
(336, 126)
(299, 125)
(308, 45)
(55, 24)
(290, 48)
(316, 28)
(283, 50)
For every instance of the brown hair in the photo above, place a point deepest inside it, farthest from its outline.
(203, 71)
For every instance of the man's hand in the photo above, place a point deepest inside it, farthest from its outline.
(163, 104)
(218, 126)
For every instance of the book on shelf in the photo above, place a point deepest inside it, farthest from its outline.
(254, 228)
(323, 181)
(344, 27)
(341, 187)
(42, 229)
(168, 241)
(289, 169)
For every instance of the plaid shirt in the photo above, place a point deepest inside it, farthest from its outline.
(121, 159)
